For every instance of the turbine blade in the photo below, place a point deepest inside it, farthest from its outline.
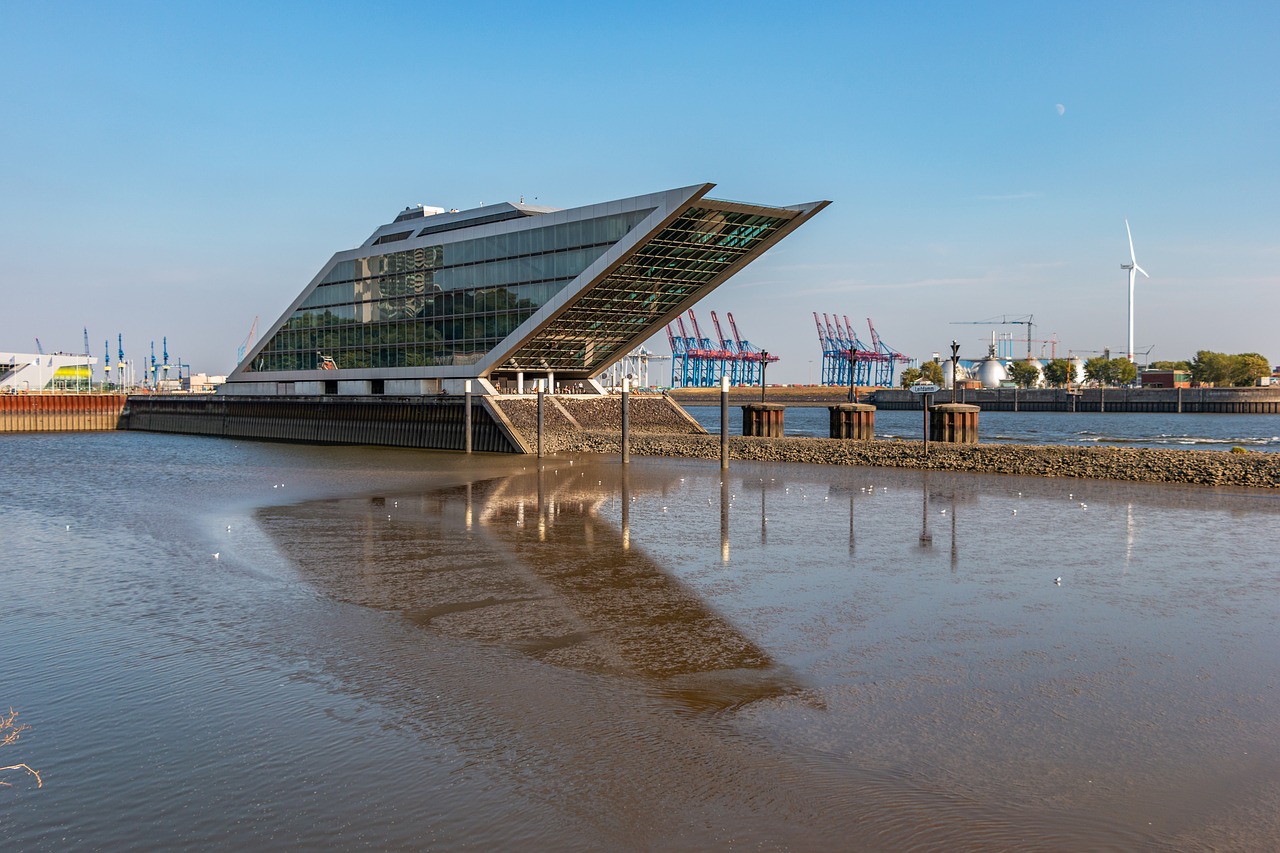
(1141, 270)
(1130, 233)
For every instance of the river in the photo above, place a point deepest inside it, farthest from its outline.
(1083, 429)
(261, 646)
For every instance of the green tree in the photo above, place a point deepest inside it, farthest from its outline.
(1057, 371)
(932, 371)
(1210, 368)
(1184, 366)
(1248, 368)
(1123, 371)
(1024, 373)
(1098, 369)
(911, 374)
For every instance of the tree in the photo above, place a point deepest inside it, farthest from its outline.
(1098, 369)
(911, 374)
(1058, 371)
(932, 371)
(1123, 371)
(1024, 373)
(1110, 371)
(1210, 368)
(1183, 366)
(1249, 368)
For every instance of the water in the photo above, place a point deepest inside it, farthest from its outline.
(1084, 429)
(409, 650)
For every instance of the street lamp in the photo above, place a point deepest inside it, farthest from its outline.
(764, 362)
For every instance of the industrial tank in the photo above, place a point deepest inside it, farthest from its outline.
(990, 371)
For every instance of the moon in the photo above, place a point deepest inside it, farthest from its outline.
(1060, 108)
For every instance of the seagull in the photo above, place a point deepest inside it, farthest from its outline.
(215, 555)
(1084, 506)
(1058, 581)
(68, 526)
(228, 528)
(944, 512)
(1015, 512)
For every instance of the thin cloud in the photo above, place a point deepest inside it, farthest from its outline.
(1010, 197)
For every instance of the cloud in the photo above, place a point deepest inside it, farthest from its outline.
(1061, 109)
(1010, 197)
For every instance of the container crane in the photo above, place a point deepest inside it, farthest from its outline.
(753, 358)
(106, 362)
(892, 356)
(120, 359)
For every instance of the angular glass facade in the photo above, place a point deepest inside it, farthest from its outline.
(436, 305)
(436, 297)
(692, 253)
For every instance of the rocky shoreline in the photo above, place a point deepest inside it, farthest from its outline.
(1194, 467)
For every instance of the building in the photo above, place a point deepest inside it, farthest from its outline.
(506, 294)
(1164, 379)
(59, 371)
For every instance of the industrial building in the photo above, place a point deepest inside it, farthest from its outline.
(57, 371)
(506, 294)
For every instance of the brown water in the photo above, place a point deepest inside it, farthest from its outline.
(406, 650)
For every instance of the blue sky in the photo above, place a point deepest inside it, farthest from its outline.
(174, 169)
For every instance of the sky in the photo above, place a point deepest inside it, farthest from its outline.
(174, 170)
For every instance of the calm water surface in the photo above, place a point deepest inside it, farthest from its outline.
(1084, 429)
(407, 650)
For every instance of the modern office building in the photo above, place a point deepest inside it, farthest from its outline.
(57, 371)
(506, 294)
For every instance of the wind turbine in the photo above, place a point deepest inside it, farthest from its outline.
(1132, 267)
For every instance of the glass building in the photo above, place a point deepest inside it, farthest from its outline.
(506, 293)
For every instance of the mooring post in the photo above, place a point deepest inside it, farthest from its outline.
(724, 423)
(541, 394)
(466, 415)
(626, 420)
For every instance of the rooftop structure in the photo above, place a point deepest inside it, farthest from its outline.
(505, 293)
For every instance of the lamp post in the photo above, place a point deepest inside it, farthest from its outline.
(853, 375)
(955, 365)
(764, 362)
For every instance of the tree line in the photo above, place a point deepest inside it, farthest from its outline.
(1207, 368)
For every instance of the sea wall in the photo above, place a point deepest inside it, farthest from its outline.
(60, 412)
(1240, 401)
(1199, 467)
(432, 423)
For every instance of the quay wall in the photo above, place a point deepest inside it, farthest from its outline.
(433, 423)
(1240, 401)
(60, 412)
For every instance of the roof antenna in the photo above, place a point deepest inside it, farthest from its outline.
(522, 198)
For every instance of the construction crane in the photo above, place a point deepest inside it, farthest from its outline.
(247, 344)
(1027, 320)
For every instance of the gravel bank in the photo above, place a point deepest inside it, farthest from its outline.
(662, 429)
(1199, 467)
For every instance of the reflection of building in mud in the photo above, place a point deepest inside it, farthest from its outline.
(528, 562)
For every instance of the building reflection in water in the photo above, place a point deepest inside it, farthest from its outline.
(574, 590)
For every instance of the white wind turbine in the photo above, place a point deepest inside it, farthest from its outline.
(1132, 267)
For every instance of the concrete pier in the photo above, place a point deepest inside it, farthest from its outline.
(853, 420)
(954, 423)
(764, 420)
